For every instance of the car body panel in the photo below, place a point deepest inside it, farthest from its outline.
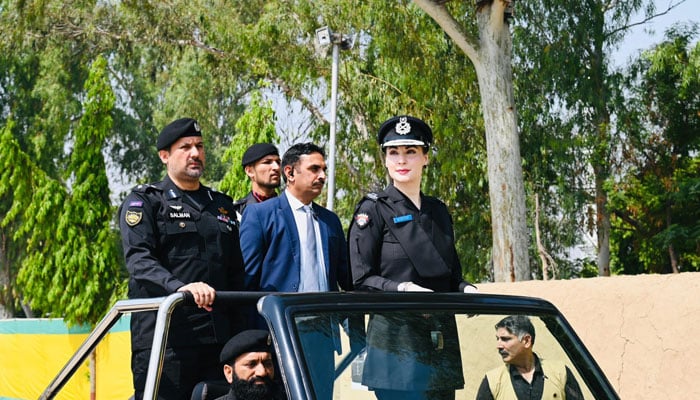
(293, 321)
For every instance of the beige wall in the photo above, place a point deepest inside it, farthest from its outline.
(643, 330)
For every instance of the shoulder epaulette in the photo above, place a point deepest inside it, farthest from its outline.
(145, 187)
(369, 196)
(433, 199)
(218, 193)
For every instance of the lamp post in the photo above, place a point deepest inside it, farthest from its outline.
(339, 41)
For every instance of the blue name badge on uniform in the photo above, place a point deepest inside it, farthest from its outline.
(403, 218)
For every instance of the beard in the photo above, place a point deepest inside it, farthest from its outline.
(270, 184)
(252, 389)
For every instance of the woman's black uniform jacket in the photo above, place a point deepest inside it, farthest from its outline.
(391, 241)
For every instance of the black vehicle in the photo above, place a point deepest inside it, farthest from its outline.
(297, 320)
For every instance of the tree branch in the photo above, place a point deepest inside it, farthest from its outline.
(306, 103)
(646, 19)
(437, 11)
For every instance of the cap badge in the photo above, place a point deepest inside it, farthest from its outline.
(269, 340)
(361, 220)
(403, 127)
(196, 127)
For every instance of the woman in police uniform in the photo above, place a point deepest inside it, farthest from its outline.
(402, 240)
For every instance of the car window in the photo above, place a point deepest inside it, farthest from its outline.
(350, 355)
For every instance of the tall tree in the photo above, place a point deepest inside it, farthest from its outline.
(79, 275)
(655, 201)
(29, 200)
(570, 94)
(489, 48)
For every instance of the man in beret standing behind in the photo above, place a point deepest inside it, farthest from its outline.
(261, 163)
(181, 236)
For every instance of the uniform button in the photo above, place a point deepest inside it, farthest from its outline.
(182, 224)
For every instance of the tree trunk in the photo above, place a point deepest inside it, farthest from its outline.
(491, 56)
(538, 239)
(93, 376)
(602, 225)
(671, 250)
(506, 189)
(6, 301)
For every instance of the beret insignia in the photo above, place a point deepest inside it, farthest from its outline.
(133, 217)
(362, 220)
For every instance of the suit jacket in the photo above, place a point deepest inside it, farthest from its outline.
(272, 253)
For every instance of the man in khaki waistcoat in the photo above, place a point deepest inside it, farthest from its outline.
(525, 375)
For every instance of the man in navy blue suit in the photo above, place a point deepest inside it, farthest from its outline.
(291, 244)
(275, 233)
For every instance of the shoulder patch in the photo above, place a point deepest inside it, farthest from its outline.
(361, 220)
(135, 203)
(132, 218)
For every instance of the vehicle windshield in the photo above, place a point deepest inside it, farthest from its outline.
(430, 351)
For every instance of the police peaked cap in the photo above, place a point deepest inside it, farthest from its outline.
(258, 151)
(404, 130)
(182, 127)
(252, 340)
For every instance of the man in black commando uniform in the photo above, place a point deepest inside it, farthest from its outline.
(179, 235)
(261, 163)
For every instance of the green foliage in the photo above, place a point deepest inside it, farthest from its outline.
(30, 200)
(257, 125)
(78, 274)
(568, 96)
(153, 62)
(656, 201)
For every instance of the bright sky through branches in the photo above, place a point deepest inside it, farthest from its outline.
(642, 37)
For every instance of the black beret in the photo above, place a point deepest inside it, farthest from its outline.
(252, 340)
(404, 131)
(175, 130)
(258, 151)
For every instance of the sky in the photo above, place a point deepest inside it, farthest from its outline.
(644, 36)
